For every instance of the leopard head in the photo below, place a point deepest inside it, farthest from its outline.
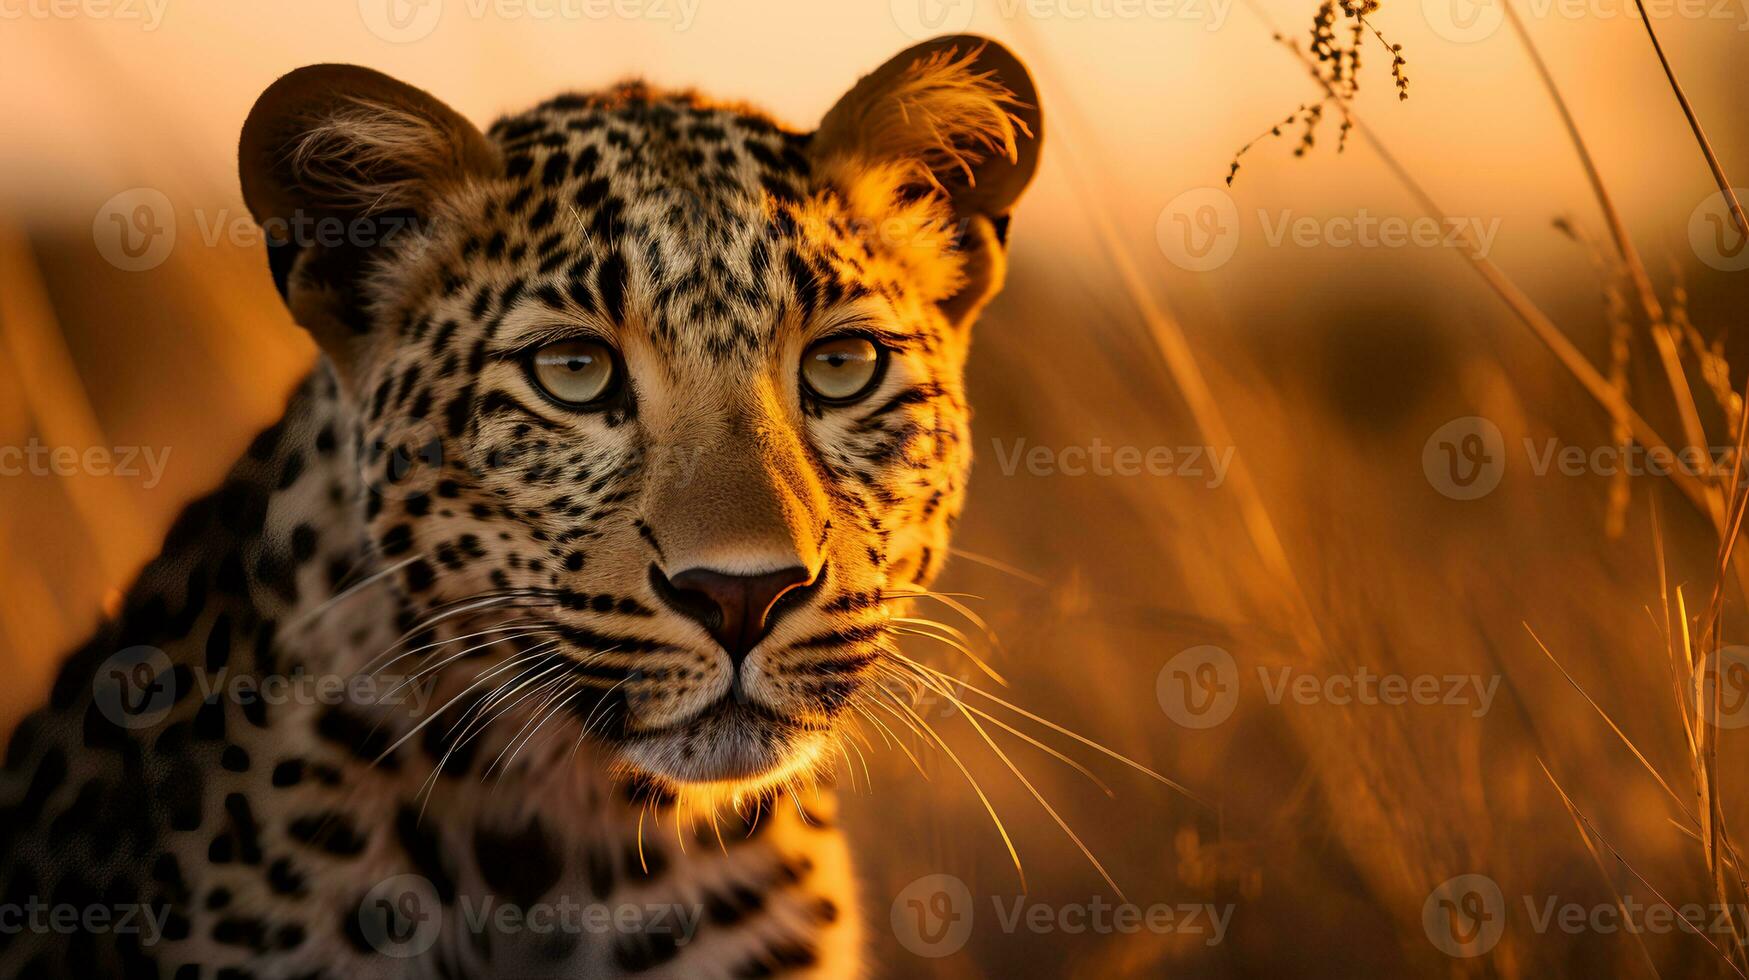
(667, 392)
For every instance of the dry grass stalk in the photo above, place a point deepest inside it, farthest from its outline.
(1701, 650)
(1615, 306)
(1724, 502)
(1337, 65)
(1706, 147)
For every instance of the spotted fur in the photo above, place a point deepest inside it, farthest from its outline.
(422, 515)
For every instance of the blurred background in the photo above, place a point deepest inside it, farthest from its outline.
(1320, 382)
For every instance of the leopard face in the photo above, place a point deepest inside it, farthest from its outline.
(669, 396)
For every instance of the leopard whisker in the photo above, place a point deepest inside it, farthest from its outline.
(531, 662)
(1008, 761)
(891, 738)
(518, 630)
(850, 769)
(950, 600)
(998, 565)
(560, 687)
(448, 610)
(387, 699)
(1053, 726)
(867, 777)
(435, 714)
(1050, 750)
(567, 704)
(481, 721)
(990, 808)
(589, 721)
(950, 641)
(566, 686)
(351, 590)
(516, 687)
(794, 788)
(427, 788)
(370, 666)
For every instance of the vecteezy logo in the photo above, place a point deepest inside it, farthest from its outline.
(135, 687)
(1464, 21)
(920, 19)
(1465, 915)
(135, 230)
(1199, 688)
(401, 21)
(932, 916)
(1723, 682)
(1199, 229)
(1465, 458)
(400, 916)
(1714, 235)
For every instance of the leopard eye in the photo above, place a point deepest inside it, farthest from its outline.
(576, 373)
(843, 369)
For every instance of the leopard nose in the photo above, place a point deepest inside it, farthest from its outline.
(737, 610)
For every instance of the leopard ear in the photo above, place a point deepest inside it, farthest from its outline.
(959, 116)
(338, 165)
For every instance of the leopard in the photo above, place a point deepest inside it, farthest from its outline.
(525, 642)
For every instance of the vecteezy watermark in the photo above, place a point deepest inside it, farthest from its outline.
(1200, 688)
(403, 917)
(1722, 687)
(136, 688)
(1631, 916)
(1101, 917)
(1466, 458)
(302, 229)
(1469, 21)
(1713, 231)
(1565, 459)
(934, 916)
(148, 13)
(127, 462)
(137, 229)
(1466, 916)
(1365, 687)
(406, 21)
(1200, 230)
(923, 19)
(36, 916)
(1363, 229)
(401, 21)
(1207, 463)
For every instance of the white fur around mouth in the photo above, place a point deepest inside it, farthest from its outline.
(731, 741)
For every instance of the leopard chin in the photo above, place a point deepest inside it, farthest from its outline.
(732, 747)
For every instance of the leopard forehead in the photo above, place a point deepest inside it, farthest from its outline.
(703, 228)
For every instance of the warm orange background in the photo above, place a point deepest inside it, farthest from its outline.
(1332, 366)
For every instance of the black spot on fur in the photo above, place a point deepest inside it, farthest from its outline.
(331, 831)
(425, 849)
(520, 864)
(360, 737)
